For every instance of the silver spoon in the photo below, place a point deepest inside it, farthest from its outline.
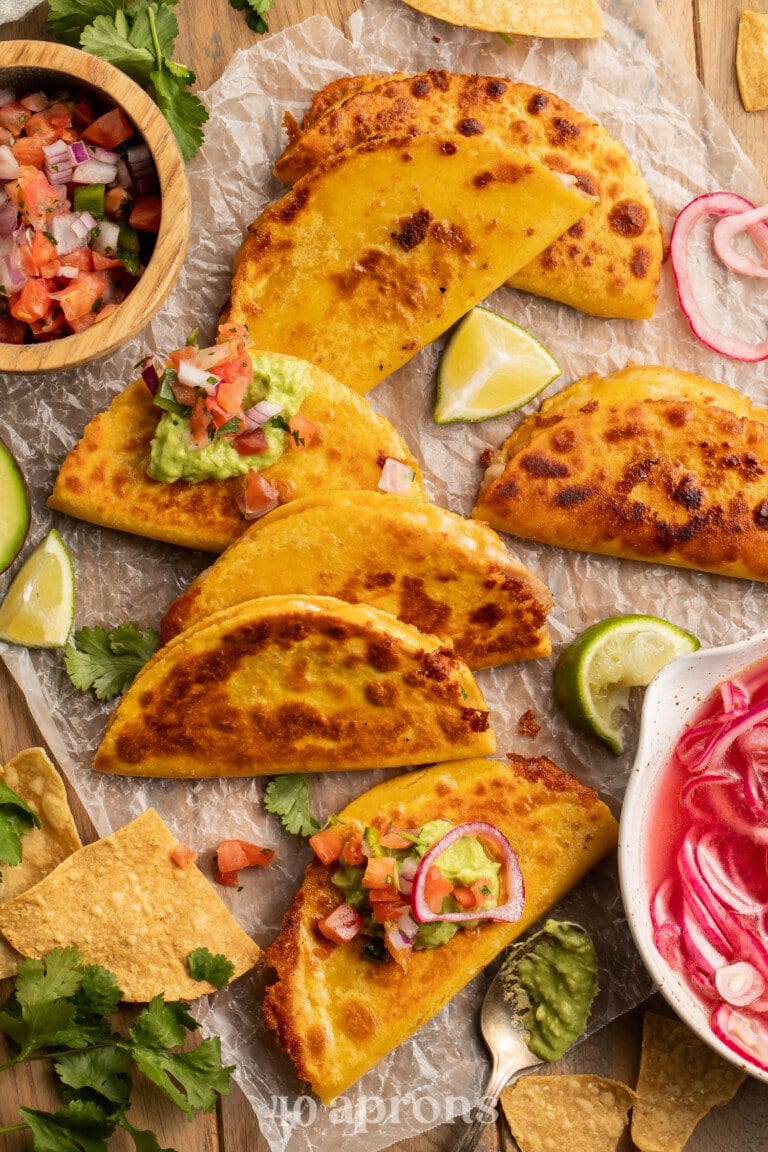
(501, 1023)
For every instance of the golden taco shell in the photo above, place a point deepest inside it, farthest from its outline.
(335, 1013)
(565, 19)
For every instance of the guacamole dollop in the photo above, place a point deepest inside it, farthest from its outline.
(175, 455)
(557, 978)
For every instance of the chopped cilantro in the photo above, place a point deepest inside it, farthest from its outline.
(288, 798)
(231, 428)
(215, 968)
(281, 423)
(16, 819)
(97, 305)
(50, 237)
(106, 661)
(193, 340)
(130, 260)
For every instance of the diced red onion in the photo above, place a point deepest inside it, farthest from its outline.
(106, 237)
(9, 166)
(408, 926)
(104, 155)
(8, 217)
(207, 358)
(67, 236)
(122, 175)
(722, 238)
(78, 152)
(7, 96)
(396, 477)
(68, 273)
(57, 175)
(151, 370)
(13, 278)
(81, 229)
(510, 911)
(739, 984)
(93, 172)
(35, 102)
(712, 204)
(260, 413)
(195, 377)
(397, 940)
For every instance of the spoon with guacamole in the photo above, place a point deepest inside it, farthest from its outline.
(535, 1009)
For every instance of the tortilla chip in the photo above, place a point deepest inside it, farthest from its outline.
(567, 19)
(580, 1113)
(752, 60)
(32, 776)
(680, 1080)
(124, 904)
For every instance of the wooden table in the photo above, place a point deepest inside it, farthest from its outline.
(706, 31)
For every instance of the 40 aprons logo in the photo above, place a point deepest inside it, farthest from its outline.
(367, 1112)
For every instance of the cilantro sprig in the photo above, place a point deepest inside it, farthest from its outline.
(213, 967)
(255, 13)
(138, 37)
(60, 1010)
(107, 662)
(288, 798)
(16, 819)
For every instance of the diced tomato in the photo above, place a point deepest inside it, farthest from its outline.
(228, 879)
(219, 415)
(400, 953)
(229, 331)
(185, 353)
(59, 115)
(80, 323)
(304, 434)
(436, 888)
(232, 855)
(12, 331)
(145, 214)
(385, 896)
(184, 394)
(342, 925)
(394, 839)
(482, 891)
(107, 310)
(33, 302)
(352, 852)
(327, 845)
(37, 197)
(380, 873)
(25, 258)
(259, 496)
(251, 443)
(230, 393)
(102, 263)
(50, 326)
(13, 116)
(78, 300)
(109, 130)
(237, 365)
(81, 258)
(6, 137)
(39, 127)
(385, 911)
(465, 898)
(199, 422)
(116, 201)
(183, 856)
(43, 250)
(29, 150)
(82, 112)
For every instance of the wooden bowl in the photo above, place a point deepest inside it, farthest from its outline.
(37, 64)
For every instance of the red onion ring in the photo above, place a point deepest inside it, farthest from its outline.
(510, 912)
(722, 240)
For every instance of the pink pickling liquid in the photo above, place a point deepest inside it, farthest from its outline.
(707, 862)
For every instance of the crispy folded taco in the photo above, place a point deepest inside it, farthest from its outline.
(566, 19)
(378, 251)
(295, 684)
(33, 778)
(104, 478)
(607, 264)
(126, 904)
(335, 1012)
(427, 566)
(648, 463)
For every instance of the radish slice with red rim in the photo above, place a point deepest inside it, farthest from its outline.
(510, 911)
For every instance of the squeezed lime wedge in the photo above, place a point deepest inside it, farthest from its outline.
(596, 671)
(489, 366)
(39, 608)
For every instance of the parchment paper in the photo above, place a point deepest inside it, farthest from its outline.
(638, 85)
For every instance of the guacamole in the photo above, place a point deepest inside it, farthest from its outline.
(175, 456)
(556, 980)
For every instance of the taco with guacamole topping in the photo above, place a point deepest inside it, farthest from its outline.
(416, 886)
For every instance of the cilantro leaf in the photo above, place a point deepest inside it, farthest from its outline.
(255, 12)
(192, 1080)
(81, 1126)
(97, 997)
(16, 819)
(162, 1025)
(104, 1071)
(288, 798)
(216, 968)
(67, 19)
(103, 38)
(41, 1013)
(108, 661)
(144, 1140)
(183, 111)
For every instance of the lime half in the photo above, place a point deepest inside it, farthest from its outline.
(488, 367)
(39, 608)
(594, 674)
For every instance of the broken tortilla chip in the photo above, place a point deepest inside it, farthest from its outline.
(32, 776)
(580, 1113)
(124, 904)
(752, 60)
(680, 1080)
(568, 19)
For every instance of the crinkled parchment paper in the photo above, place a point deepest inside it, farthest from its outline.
(638, 85)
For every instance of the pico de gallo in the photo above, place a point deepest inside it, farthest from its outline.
(79, 214)
(406, 889)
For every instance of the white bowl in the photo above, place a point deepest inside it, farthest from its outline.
(670, 700)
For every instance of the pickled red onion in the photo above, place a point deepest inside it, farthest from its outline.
(730, 226)
(510, 911)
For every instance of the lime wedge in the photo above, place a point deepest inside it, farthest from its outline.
(39, 608)
(488, 367)
(595, 672)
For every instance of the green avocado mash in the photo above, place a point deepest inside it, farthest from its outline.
(175, 456)
(557, 979)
